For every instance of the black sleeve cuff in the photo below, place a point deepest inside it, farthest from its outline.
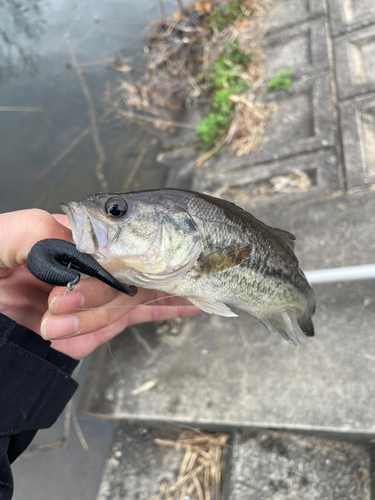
(35, 382)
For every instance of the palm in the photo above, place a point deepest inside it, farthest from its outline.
(45, 309)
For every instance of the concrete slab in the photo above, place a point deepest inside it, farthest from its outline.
(302, 122)
(302, 49)
(278, 181)
(137, 466)
(287, 13)
(358, 137)
(287, 466)
(228, 371)
(350, 15)
(355, 63)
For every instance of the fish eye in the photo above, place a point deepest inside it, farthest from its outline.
(116, 207)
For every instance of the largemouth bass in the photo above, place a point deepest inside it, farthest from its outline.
(196, 246)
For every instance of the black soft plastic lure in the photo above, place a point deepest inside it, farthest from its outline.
(59, 263)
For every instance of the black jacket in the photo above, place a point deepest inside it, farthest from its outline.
(35, 385)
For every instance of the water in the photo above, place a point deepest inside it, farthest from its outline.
(48, 152)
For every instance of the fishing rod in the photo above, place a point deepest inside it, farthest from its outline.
(352, 273)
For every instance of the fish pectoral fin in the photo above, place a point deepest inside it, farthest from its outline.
(289, 238)
(212, 307)
(223, 259)
(281, 325)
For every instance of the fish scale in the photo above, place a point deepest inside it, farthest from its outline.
(200, 247)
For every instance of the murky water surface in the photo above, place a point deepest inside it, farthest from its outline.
(58, 127)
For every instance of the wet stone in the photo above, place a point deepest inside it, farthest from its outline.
(349, 15)
(286, 13)
(355, 63)
(301, 122)
(284, 466)
(302, 49)
(358, 133)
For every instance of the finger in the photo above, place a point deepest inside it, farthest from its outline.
(87, 293)
(90, 293)
(89, 320)
(144, 314)
(62, 219)
(19, 231)
(81, 346)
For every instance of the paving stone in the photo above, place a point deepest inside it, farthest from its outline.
(302, 49)
(303, 122)
(285, 466)
(358, 135)
(349, 15)
(355, 63)
(137, 466)
(232, 371)
(321, 169)
(286, 13)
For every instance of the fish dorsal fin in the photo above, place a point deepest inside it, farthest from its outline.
(211, 307)
(289, 238)
(281, 325)
(223, 259)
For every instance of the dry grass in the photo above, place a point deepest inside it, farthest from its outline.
(202, 467)
(249, 119)
(180, 50)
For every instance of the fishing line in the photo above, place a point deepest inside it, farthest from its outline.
(122, 378)
(124, 306)
(133, 306)
(106, 340)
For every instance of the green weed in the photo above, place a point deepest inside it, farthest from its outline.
(225, 80)
(225, 14)
(281, 81)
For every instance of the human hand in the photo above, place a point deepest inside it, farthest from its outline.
(87, 317)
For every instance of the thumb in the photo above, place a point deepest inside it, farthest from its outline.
(19, 231)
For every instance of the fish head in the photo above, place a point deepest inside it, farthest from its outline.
(143, 231)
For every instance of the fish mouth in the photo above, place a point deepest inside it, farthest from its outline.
(89, 235)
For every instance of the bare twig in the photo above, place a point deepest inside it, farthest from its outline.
(27, 109)
(206, 156)
(135, 168)
(162, 10)
(60, 442)
(78, 429)
(181, 6)
(69, 148)
(93, 119)
(167, 123)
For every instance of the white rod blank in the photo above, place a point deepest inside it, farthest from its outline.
(353, 273)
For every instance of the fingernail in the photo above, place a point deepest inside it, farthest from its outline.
(57, 327)
(61, 303)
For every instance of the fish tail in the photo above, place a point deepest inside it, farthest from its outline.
(304, 319)
(306, 324)
(281, 325)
